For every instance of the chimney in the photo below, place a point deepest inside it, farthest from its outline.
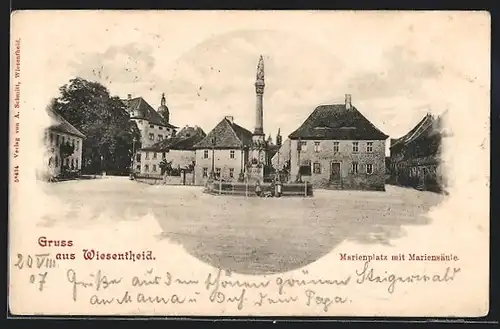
(348, 104)
(230, 118)
(129, 97)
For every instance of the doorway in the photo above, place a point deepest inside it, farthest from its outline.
(335, 172)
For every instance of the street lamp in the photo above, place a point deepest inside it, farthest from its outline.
(102, 166)
(132, 160)
(213, 157)
(299, 149)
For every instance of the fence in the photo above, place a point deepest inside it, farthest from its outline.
(267, 189)
(155, 179)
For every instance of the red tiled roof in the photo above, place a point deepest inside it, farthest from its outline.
(337, 122)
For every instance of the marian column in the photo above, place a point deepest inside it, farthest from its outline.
(259, 90)
(258, 149)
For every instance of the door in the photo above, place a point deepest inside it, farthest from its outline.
(335, 172)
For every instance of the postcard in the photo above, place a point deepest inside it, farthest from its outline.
(249, 163)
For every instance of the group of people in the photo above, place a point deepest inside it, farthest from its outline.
(275, 189)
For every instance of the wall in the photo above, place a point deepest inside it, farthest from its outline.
(188, 179)
(345, 155)
(222, 160)
(181, 158)
(144, 127)
(53, 152)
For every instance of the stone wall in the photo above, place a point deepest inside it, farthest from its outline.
(324, 155)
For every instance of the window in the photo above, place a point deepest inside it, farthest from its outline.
(205, 154)
(160, 127)
(51, 161)
(151, 137)
(316, 146)
(317, 168)
(151, 126)
(154, 155)
(231, 172)
(77, 145)
(164, 155)
(138, 167)
(154, 168)
(335, 146)
(217, 172)
(76, 164)
(205, 172)
(354, 168)
(57, 139)
(57, 161)
(51, 138)
(369, 146)
(355, 146)
(146, 168)
(303, 146)
(160, 138)
(147, 155)
(62, 139)
(72, 163)
(369, 168)
(231, 154)
(138, 157)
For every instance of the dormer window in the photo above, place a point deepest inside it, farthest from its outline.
(151, 126)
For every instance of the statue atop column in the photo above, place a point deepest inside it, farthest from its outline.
(260, 69)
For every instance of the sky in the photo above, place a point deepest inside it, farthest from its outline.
(396, 66)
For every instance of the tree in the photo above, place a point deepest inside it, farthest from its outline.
(166, 166)
(103, 119)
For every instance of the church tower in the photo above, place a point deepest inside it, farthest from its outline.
(163, 109)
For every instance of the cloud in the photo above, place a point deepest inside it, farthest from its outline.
(131, 64)
(402, 74)
(216, 78)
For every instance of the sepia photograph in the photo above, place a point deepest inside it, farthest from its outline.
(249, 163)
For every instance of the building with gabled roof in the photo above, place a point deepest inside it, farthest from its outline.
(179, 151)
(223, 152)
(61, 134)
(415, 158)
(338, 147)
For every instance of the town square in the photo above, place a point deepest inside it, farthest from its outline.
(246, 235)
